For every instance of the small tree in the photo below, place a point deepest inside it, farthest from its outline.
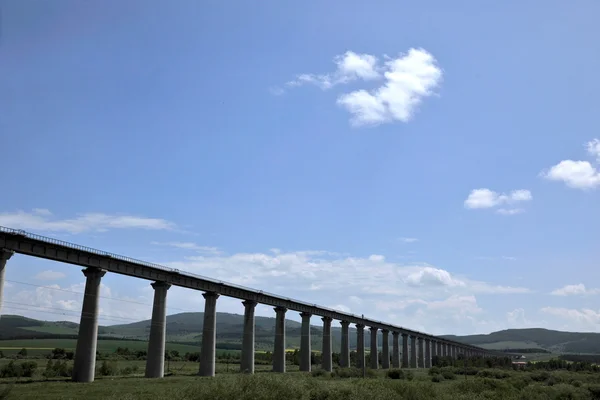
(22, 352)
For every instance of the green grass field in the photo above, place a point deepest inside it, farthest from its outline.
(302, 386)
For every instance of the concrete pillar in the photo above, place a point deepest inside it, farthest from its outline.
(247, 358)
(427, 353)
(405, 356)
(326, 351)
(413, 352)
(305, 342)
(84, 365)
(345, 349)
(439, 349)
(433, 350)
(385, 349)
(155, 361)
(421, 353)
(446, 350)
(396, 349)
(5, 255)
(209, 335)
(374, 349)
(454, 352)
(360, 346)
(279, 351)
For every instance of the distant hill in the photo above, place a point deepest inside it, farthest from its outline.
(186, 328)
(554, 341)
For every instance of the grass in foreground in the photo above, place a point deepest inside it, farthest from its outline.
(492, 384)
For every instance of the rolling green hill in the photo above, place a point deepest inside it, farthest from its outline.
(555, 341)
(186, 329)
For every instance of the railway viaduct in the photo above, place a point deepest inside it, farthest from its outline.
(418, 348)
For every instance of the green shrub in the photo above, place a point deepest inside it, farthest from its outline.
(448, 374)
(317, 372)
(108, 368)
(433, 371)
(395, 374)
(11, 370)
(351, 372)
(409, 375)
(437, 378)
(28, 368)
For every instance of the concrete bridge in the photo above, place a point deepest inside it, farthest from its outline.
(418, 348)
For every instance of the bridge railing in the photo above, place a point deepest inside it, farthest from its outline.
(74, 246)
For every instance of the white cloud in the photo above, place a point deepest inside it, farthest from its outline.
(408, 239)
(575, 174)
(574, 290)
(486, 198)
(409, 79)
(192, 246)
(350, 66)
(432, 276)
(593, 148)
(55, 302)
(49, 275)
(43, 221)
(585, 317)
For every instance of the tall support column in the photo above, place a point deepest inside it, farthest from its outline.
(5, 255)
(427, 353)
(421, 353)
(439, 349)
(433, 350)
(374, 349)
(326, 351)
(279, 351)
(305, 343)
(405, 356)
(247, 359)
(413, 352)
(360, 346)
(345, 350)
(396, 349)
(385, 349)
(84, 365)
(447, 350)
(209, 335)
(155, 361)
(454, 352)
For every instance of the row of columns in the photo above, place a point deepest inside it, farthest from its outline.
(85, 354)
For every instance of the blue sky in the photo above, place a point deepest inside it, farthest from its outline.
(432, 165)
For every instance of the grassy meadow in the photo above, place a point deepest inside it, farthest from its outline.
(414, 385)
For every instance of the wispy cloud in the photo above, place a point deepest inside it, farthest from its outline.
(408, 239)
(191, 246)
(49, 275)
(43, 220)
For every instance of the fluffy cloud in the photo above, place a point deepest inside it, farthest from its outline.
(407, 80)
(49, 275)
(577, 174)
(302, 271)
(43, 220)
(486, 198)
(574, 290)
